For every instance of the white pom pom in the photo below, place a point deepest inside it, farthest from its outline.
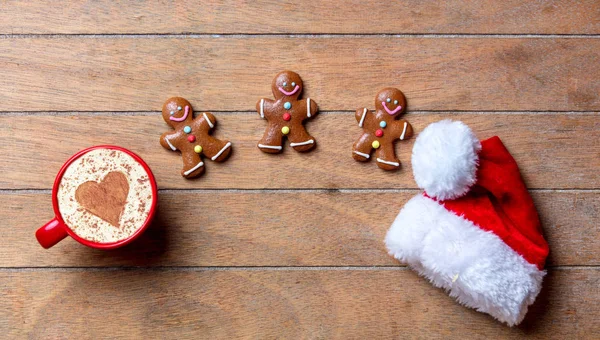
(444, 159)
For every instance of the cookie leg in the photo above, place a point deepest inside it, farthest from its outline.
(361, 150)
(215, 149)
(192, 165)
(386, 157)
(300, 140)
(272, 140)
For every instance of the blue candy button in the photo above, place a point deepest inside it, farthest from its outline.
(287, 105)
(382, 124)
(187, 129)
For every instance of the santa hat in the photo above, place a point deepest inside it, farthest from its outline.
(474, 231)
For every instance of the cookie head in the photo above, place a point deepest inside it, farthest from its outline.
(287, 84)
(177, 110)
(391, 101)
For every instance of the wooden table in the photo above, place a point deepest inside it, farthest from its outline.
(288, 246)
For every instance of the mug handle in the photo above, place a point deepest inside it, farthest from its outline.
(51, 233)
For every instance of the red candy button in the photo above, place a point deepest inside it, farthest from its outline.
(379, 133)
(191, 139)
(287, 116)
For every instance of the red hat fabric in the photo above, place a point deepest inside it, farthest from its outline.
(474, 230)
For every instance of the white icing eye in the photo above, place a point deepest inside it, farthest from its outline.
(172, 113)
(395, 102)
(179, 108)
(284, 83)
(388, 100)
(294, 84)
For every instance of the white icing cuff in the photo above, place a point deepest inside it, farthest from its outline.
(208, 120)
(387, 162)
(365, 155)
(170, 145)
(221, 151)
(403, 131)
(194, 168)
(476, 267)
(262, 110)
(310, 141)
(362, 119)
(274, 147)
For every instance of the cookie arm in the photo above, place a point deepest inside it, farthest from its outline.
(311, 107)
(167, 141)
(208, 121)
(407, 130)
(402, 130)
(263, 106)
(360, 116)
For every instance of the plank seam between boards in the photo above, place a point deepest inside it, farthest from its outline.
(229, 112)
(244, 268)
(299, 35)
(294, 191)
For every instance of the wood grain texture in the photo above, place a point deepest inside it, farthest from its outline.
(276, 228)
(230, 73)
(288, 304)
(301, 16)
(553, 151)
(221, 261)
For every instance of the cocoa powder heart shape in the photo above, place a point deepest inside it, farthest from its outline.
(105, 199)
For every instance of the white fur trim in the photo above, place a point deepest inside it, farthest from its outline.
(476, 267)
(444, 159)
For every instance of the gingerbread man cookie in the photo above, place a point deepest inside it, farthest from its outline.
(381, 129)
(191, 136)
(286, 114)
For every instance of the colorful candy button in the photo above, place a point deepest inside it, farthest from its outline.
(191, 138)
(287, 117)
(285, 130)
(187, 129)
(382, 124)
(375, 145)
(287, 105)
(379, 133)
(197, 149)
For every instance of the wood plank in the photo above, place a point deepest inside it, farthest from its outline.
(230, 73)
(553, 151)
(301, 16)
(276, 228)
(283, 303)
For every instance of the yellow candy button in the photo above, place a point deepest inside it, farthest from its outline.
(285, 130)
(197, 149)
(375, 144)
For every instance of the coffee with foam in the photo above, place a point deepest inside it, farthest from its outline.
(105, 196)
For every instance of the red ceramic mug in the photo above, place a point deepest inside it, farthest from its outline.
(56, 229)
